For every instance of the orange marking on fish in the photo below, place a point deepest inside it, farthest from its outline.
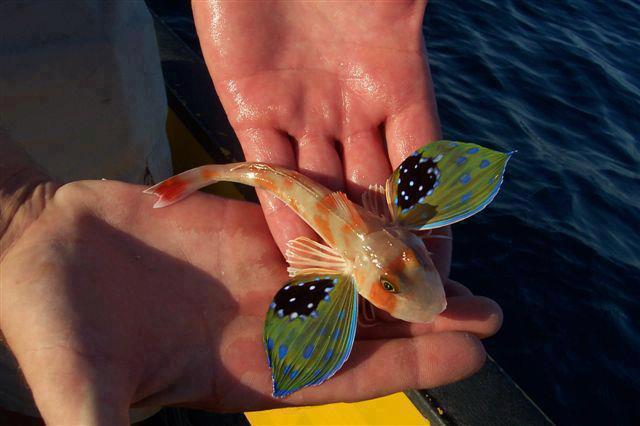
(324, 229)
(322, 207)
(358, 222)
(269, 185)
(171, 189)
(382, 298)
(402, 261)
(329, 202)
(359, 275)
(207, 174)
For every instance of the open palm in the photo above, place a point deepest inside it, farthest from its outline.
(108, 303)
(339, 91)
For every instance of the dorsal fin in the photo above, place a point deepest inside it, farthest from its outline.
(339, 203)
(374, 200)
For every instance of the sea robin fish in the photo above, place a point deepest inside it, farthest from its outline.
(370, 250)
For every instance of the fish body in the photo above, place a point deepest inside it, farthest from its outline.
(369, 250)
(367, 247)
(310, 200)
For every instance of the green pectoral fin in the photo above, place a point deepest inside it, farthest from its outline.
(443, 183)
(309, 331)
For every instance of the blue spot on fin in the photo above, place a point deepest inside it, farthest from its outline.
(328, 355)
(282, 351)
(308, 351)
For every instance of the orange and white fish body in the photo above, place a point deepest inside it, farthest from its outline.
(370, 250)
(390, 266)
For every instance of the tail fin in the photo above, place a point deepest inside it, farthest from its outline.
(181, 186)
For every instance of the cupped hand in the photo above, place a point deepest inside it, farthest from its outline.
(109, 303)
(340, 91)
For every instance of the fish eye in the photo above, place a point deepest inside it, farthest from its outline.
(388, 286)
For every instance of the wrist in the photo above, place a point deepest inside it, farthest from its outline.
(24, 192)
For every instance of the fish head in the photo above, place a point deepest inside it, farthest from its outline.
(394, 272)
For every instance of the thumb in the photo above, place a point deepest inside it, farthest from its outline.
(415, 125)
(271, 146)
(69, 390)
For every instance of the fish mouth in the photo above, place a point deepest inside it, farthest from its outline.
(421, 314)
(431, 315)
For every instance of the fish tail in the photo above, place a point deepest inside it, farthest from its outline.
(181, 186)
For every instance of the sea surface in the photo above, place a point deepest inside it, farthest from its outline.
(559, 248)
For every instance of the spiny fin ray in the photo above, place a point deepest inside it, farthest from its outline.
(339, 203)
(306, 256)
(373, 200)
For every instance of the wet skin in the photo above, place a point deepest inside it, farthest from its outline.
(339, 91)
(107, 302)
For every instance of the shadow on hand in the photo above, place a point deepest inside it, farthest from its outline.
(138, 312)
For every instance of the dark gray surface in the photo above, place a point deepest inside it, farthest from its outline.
(489, 397)
(186, 417)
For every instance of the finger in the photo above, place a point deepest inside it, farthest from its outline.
(271, 146)
(72, 390)
(474, 314)
(372, 315)
(454, 288)
(365, 162)
(318, 159)
(477, 314)
(381, 367)
(411, 129)
(440, 244)
(414, 125)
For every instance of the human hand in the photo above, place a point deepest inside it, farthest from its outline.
(339, 91)
(108, 303)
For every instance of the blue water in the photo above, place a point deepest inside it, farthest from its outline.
(559, 248)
